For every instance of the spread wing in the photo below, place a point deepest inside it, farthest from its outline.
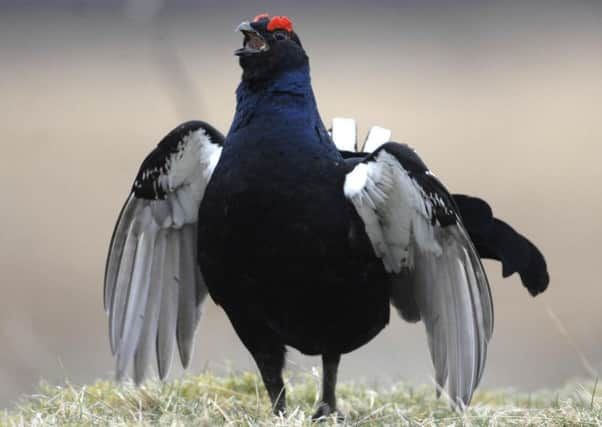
(492, 237)
(415, 228)
(153, 288)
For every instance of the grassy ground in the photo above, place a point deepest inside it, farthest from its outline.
(239, 399)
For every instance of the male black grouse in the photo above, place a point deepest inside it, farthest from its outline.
(302, 245)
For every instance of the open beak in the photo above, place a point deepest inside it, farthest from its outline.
(253, 43)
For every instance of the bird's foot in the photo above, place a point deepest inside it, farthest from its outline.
(279, 410)
(325, 410)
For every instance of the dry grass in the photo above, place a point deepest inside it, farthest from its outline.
(239, 399)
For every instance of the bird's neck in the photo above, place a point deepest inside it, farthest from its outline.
(285, 99)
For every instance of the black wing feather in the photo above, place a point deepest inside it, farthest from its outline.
(154, 165)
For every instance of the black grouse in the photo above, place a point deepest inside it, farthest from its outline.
(301, 244)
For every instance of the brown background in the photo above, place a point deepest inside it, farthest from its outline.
(503, 100)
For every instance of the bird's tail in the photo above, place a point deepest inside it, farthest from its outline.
(495, 239)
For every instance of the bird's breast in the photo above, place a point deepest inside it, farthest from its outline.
(273, 201)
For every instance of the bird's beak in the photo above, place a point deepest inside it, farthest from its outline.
(253, 44)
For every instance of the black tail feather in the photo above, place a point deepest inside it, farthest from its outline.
(497, 240)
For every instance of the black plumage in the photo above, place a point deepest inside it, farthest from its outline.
(496, 240)
(302, 245)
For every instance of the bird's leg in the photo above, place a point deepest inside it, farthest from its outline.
(265, 347)
(270, 366)
(330, 366)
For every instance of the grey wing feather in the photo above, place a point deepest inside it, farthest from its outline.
(201, 290)
(148, 336)
(133, 316)
(153, 287)
(121, 283)
(448, 296)
(117, 245)
(187, 306)
(169, 305)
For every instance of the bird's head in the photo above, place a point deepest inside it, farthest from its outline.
(270, 46)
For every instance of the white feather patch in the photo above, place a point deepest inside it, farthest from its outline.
(188, 172)
(394, 209)
(355, 180)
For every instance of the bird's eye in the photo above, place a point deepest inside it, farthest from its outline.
(280, 35)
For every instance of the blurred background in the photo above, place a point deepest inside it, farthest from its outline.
(503, 100)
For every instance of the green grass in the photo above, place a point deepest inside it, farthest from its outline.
(239, 399)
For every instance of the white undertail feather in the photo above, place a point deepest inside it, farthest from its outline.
(344, 133)
(439, 264)
(376, 137)
(153, 287)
